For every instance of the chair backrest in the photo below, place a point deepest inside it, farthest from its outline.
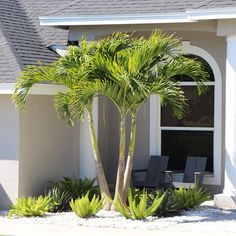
(193, 164)
(156, 167)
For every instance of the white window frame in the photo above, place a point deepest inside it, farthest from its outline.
(155, 116)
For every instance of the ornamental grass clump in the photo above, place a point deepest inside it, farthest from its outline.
(64, 190)
(186, 199)
(178, 200)
(30, 206)
(140, 206)
(59, 199)
(77, 187)
(84, 207)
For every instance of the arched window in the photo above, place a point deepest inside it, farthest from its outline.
(199, 132)
(192, 135)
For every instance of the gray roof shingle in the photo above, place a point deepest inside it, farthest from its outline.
(217, 4)
(94, 7)
(36, 8)
(104, 7)
(22, 40)
(9, 63)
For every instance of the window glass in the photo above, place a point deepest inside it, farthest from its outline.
(184, 78)
(180, 144)
(200, 111)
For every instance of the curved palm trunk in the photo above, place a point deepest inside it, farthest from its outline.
(121, 164)
(98, 163)
(129, 163)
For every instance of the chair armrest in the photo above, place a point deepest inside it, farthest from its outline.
(170, 174)
(139, 170)
(173, 171)
(198, 177)
(201, 172)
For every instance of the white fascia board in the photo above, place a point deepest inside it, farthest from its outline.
(114, 19)
(37, 89)
(190, 15)
(211, 14)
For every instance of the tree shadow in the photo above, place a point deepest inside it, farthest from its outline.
(209, 214)
(5, 201)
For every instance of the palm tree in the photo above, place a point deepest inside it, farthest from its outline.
(142, 67)
(125, 69)
(67, 71)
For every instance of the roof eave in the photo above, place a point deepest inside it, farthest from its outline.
(211, 14)
(190, 15)
(113, 19)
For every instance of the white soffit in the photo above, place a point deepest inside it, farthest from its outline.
(190, 15)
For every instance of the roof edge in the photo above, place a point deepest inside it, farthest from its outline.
(37, 89)
(114, 19)
(190, 15)
(212, 13)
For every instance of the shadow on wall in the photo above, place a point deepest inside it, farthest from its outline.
(5, 201)
(230, 166)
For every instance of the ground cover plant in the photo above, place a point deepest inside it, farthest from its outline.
(64, 190)
(139, 205)
(84, 207)
(59, 199)
(179, 200)
(30, 206)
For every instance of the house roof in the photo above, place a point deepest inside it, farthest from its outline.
(114, 12)
(217, 4)
(94, 7)
(101, 7)
(22, 40)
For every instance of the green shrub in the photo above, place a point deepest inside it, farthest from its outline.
(70, 188)
(140, 206)
(30, 206)
(189, 198)
(59, 200)
(77, 187)
(181, 199)
(84, 207)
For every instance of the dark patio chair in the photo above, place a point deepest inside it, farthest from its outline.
(193, 174)
(155, 173)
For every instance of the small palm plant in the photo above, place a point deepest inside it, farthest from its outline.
(30, 206)
(138, 205)
(178, 200)
(85, 208)
(59, 199)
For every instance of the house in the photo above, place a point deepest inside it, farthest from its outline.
(36, 147)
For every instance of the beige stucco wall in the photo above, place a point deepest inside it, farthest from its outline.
(201, 34)
(9, 146)
(47, 147)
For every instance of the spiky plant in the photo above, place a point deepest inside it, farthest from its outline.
(139, 206)
(59, 199)
(84, 207)
(30, 206)
(178, 200)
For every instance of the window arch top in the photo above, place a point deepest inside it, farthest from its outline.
(207, 67)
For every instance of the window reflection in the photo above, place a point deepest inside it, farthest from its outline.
(200, 111)
(180, 144)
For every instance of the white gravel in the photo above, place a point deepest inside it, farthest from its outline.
(205, 213)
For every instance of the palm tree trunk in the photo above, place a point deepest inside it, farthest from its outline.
(121, 165)
(98, 163)
(129, 164)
